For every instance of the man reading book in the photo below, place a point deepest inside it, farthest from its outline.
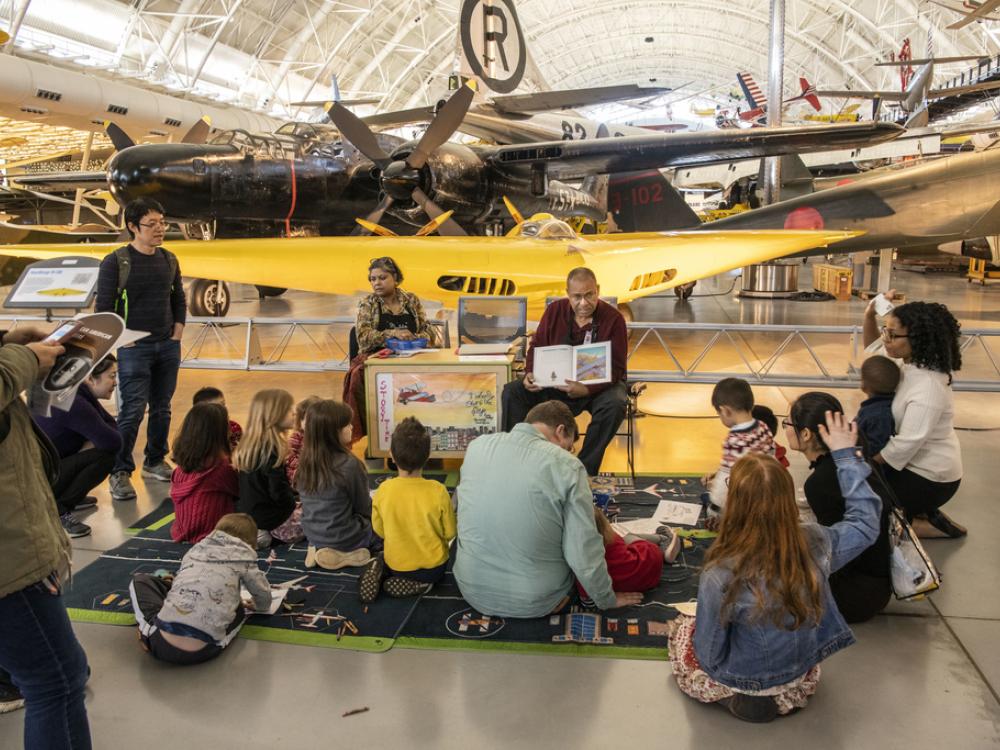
(578, 319)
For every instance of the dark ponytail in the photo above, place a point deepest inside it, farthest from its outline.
(809, 412)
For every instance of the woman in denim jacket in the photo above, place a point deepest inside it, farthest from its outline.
(766, 617)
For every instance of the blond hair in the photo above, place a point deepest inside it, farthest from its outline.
(264, 436)
(239, 525)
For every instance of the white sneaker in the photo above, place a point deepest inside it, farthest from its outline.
(332, 559)
(121, 486)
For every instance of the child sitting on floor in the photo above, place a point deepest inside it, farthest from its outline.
(265, 493)
(414, 517)
(333, 485)
(879, 380)
(764, 414)
(295, 439)
(211, 395)
(192, 618)
(635, 562)
(204, 486)
(732, 399)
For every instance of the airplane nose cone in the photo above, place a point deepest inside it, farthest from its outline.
(167, 172)
(399, 180)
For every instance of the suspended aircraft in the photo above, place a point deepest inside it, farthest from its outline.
(758, 101)
(914, 97)
(972, 11)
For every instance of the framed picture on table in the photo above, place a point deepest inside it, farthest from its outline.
(456, 403)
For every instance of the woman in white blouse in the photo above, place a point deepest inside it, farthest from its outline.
(923, 460)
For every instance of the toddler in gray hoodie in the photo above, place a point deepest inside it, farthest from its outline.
(194, 617)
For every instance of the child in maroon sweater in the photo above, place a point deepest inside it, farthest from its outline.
(212, 395)
(204, 486)
(635, 562)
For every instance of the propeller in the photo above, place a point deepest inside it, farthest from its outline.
(400, 178)
(429, 228)
(512, 209)
(119, 138)
(198, 133)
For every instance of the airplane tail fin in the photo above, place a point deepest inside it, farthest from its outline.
(752, 92)
(796, 179)
(646, 202)
(809, 94)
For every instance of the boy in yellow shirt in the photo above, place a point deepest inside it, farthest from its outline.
(415, 518)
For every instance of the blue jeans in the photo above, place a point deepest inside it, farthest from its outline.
(147, 375)
(47, 664)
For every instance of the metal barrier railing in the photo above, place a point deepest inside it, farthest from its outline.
(980, 375)
(258, 344)
(765, 354)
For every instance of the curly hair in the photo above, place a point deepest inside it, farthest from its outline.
(933, 334)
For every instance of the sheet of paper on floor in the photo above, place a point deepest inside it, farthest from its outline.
(638, 526)
(277, 597)
(670, 512)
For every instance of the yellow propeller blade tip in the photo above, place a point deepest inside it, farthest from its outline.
(4, 37)
(328, 106)
(207, 119)
(374, 228)
(473, 84)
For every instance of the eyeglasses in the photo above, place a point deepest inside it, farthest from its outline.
(890, 335)
(788, 423)
(154, 224)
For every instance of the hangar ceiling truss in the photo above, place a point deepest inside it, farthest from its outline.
(263, 55)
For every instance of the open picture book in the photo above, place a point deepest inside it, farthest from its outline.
(587, 363)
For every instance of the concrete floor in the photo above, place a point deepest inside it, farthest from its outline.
(922, 675)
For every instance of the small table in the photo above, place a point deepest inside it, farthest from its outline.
(457, 398)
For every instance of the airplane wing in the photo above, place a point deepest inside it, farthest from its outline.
(959, 90)
(889, 96)
(540, 101)
(568, 160)
(399, 117)
(629, 266)
(345, 102)
(984, 9)
(61, 181)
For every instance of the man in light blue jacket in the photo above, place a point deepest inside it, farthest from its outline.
(526, 521)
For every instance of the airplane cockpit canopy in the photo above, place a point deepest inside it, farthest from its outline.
(547, 229)
(290, 140)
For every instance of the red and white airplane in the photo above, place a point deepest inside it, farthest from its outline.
(758, 102)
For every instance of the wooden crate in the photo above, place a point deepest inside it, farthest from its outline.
(835, 280)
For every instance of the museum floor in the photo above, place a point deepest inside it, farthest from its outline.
(922, 675)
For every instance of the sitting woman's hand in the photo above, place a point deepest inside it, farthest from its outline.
(838, 432)
(403, 334)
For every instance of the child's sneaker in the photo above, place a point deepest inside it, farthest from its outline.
(371, 580)
(332, 559)
(399, 587)
(310, 557)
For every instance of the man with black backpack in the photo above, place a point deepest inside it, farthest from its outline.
(142, 283)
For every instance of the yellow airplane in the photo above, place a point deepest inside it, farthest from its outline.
(532, 261)
(846, 114)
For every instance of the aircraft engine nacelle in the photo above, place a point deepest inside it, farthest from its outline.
(453, 178)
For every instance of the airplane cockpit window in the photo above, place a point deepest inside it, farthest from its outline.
(553, 229)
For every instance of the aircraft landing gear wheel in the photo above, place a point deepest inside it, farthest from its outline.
(626, 310)
(684, 291)
(209, 299)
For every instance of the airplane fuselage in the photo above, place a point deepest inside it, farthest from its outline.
(946, 200)
(227, 183)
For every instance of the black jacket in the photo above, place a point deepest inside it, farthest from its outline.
(823, 495)
(266, 495)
